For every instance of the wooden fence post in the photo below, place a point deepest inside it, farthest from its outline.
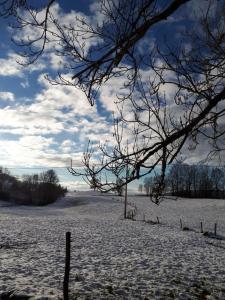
(125, 202)
(125, 196)
(201, 227)
(215, 229)
(67, 268)
(181, 225)
(157, 220)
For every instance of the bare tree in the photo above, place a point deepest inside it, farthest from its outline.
(196, 181)
(160, 126)
(148, 183)
(151, 127)
(93, 181)
(217, 177)
(49, 176)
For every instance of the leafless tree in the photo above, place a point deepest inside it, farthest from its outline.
(159, 126)
(151, 128)
(49, 176)
(217, 177)
(196, 181)
(148, 184)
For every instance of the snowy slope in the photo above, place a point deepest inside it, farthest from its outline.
(112, 258)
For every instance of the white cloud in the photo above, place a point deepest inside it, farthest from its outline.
(35, 142)
(30, 151)
(9, 66)
(110, 91)
(23, 151)
(53, 110)
(22, 120)
(25, 83)
(56, 62)
(71, 19)
(75, 185)
(37, 127)
(7, 96)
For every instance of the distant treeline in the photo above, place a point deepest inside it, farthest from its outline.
(36, 189)
(194, 181)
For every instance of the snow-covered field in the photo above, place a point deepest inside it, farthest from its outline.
(112, 258)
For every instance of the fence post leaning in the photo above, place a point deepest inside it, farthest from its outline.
(181, 224)
(67, 268)
(201, 227)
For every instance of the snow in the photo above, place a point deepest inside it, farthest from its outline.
(112, 258)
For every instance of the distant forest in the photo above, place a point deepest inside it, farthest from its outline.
(194, 181)
(36, 189)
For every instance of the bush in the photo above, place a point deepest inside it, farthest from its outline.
(36, 189)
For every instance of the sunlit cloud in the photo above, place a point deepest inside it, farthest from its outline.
(7, 96)
(10, 67)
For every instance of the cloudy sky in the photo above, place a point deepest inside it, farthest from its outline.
(43, 125)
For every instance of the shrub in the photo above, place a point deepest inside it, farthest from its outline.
(36, 189)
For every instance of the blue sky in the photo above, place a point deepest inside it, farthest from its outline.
(44, 126)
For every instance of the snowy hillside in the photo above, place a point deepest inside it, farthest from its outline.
(112, 258)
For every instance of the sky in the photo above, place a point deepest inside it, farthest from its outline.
(43, 125)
